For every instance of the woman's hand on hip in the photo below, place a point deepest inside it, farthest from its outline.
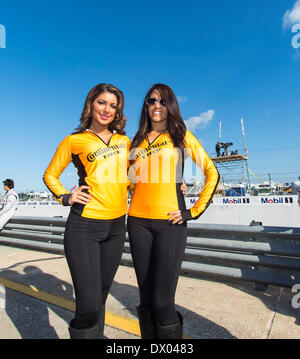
(176, 217)
(79, 196)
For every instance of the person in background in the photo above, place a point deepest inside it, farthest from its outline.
(157, 215)
(10, 203)
(95, 230)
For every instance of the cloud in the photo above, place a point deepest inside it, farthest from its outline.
(201, 121)
(292, 17)
(181, 99)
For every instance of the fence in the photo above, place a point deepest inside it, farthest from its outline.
(266, 255)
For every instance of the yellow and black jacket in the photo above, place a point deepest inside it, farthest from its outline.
(157, 172)
(102, 166)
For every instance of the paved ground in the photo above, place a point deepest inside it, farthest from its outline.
(211, 308)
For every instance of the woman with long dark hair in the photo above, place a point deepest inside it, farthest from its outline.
(157, 215)
(95, 230)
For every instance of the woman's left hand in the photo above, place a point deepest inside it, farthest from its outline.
(176, 217)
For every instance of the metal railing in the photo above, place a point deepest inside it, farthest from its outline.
(267, 255)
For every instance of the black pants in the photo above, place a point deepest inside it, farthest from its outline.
(93, 250)
(157, 249)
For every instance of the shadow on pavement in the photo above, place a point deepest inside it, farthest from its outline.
(30, 315)
(129, 296)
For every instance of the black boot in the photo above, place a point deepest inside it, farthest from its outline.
(147, 323)
(90, 333)
(171, 331)
(95, 332)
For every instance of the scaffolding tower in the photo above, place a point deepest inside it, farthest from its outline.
(233, 167)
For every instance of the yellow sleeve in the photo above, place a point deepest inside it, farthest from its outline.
(59, 162)
(200, 157)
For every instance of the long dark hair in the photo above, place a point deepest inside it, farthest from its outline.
(119, 121)
(175, 124)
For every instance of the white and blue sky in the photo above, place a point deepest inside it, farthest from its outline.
(223, 59)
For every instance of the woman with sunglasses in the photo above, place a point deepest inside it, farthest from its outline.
(157, 215)
(95, 229)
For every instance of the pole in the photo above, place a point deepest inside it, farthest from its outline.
(243, 131)
(245, 151)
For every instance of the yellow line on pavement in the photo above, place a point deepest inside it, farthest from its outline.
(32, 291)
(126, 324)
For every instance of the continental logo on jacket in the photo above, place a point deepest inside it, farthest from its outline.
(150, 150)
(105, 152)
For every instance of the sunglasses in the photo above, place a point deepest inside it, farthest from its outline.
(150, 101)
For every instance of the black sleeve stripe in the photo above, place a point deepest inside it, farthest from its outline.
(211, 197)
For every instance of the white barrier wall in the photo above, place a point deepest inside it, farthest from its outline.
(270, 210)
(42, 209)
